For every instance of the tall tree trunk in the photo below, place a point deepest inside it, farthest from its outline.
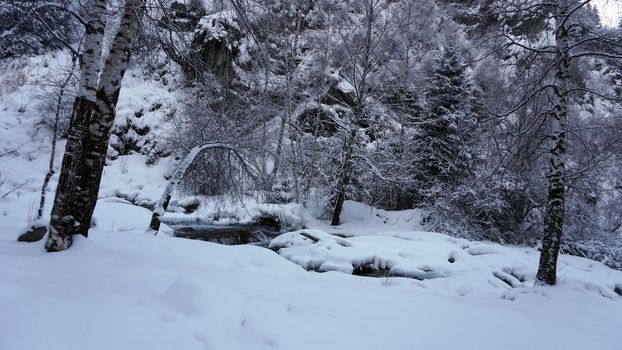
(65, 219)
(89, 132)
(344, 179)
(98, 137)
(554, 219)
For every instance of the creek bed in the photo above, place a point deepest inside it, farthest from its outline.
(228, 234)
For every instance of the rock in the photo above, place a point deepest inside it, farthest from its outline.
(340, 93)
(317, 121)
(35, 233)
(215, 42)
(183, 16)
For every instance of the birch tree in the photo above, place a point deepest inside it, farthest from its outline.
(92, 118)
(569, 38)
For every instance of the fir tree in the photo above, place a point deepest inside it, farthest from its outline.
(446, 132)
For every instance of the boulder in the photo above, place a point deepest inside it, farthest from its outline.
(35, 232)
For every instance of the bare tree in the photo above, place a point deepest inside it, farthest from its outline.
(62, 89)
(363, 51)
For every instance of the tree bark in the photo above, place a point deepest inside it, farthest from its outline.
(344, 179)
(89, 132)
(554, 219)
(65, 218)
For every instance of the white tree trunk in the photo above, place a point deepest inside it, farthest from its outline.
(89, 132)
(554, 219)
(93, 42)
(171, 186)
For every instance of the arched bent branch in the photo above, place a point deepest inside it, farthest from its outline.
(164, 200)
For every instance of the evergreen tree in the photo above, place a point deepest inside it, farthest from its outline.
(443, 148)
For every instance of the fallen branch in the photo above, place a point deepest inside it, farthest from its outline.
(13, 190)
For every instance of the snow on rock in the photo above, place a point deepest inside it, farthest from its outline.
(455, 266)
(144, 109)
(130, 178)
(226, 211)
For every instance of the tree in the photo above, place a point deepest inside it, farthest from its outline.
(554, 218)
(92, 118)
(444, 146)
(553, 37)
(360, 57)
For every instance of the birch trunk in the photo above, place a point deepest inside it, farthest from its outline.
(65, 218)
(554, 219)
(98, 136)
(89, 132)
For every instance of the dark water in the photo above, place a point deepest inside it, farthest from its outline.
(229, 235)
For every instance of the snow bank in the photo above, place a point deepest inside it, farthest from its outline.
(129, 290)
(133, 291)
(223, 211)
(454, 266)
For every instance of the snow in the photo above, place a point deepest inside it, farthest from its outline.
(220, 210)
(449, 265)
(124, 289)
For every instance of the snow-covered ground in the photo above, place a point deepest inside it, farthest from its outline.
(123, 289)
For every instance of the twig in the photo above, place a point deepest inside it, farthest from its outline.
(13, 190)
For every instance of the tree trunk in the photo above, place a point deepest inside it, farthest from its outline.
(172, 184)
(65, 219)
(98, 137)
(554, 219)
(344, 179)
(50, 172)
(89, 132)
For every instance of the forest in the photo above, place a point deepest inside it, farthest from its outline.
(404, 159)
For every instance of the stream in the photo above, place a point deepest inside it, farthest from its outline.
(228, 234)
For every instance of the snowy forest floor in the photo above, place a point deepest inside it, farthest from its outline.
(127, 290)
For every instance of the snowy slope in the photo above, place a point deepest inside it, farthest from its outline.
(128, 290)
(25, 141)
